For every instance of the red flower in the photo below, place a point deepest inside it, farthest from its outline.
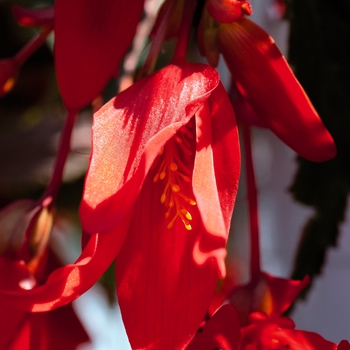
(175, 213)
(91, 38)
(265, 80)
(156, 187)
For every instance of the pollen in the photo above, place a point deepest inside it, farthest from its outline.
(175, 173)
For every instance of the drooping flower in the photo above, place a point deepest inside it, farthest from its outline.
(267, 84)
(164, 178)
(91, 38)
(156, 187)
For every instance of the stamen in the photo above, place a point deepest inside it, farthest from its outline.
(173, 170)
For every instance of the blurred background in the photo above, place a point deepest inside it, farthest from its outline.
(32, 116)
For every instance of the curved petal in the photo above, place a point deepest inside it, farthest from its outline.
(264, 78)
(89, 45)
(69, 282)
(215, 175)
(222, 331)
(128, 133)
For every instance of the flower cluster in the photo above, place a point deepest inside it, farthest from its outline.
(162, 180)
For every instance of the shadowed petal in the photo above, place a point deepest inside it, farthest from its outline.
(222, 331)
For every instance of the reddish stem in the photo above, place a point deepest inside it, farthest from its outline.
(32, 46)
(185, 30)
(157, 42)
(63, 152)
(252, 204)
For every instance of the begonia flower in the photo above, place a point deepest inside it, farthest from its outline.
(176, 224)
(222, 331)
(91, 38)
(156, 189)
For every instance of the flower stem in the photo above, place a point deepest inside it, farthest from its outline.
(185, 30)
(252, 204)
(63, 151)
(32, 46)
(157, 42)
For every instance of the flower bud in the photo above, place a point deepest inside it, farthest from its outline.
(25, 226)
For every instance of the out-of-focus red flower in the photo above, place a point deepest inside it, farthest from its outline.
(222, 331)
(278, 333)
(266, 293)
(156, 187)
(91, 38)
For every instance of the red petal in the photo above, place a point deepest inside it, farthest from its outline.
(264, 78)
(215, 175)
(128, 133)
(33, 17)
(91, 38)
(221, 331)
(343, 345)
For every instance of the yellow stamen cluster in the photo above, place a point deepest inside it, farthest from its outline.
(173, 171)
